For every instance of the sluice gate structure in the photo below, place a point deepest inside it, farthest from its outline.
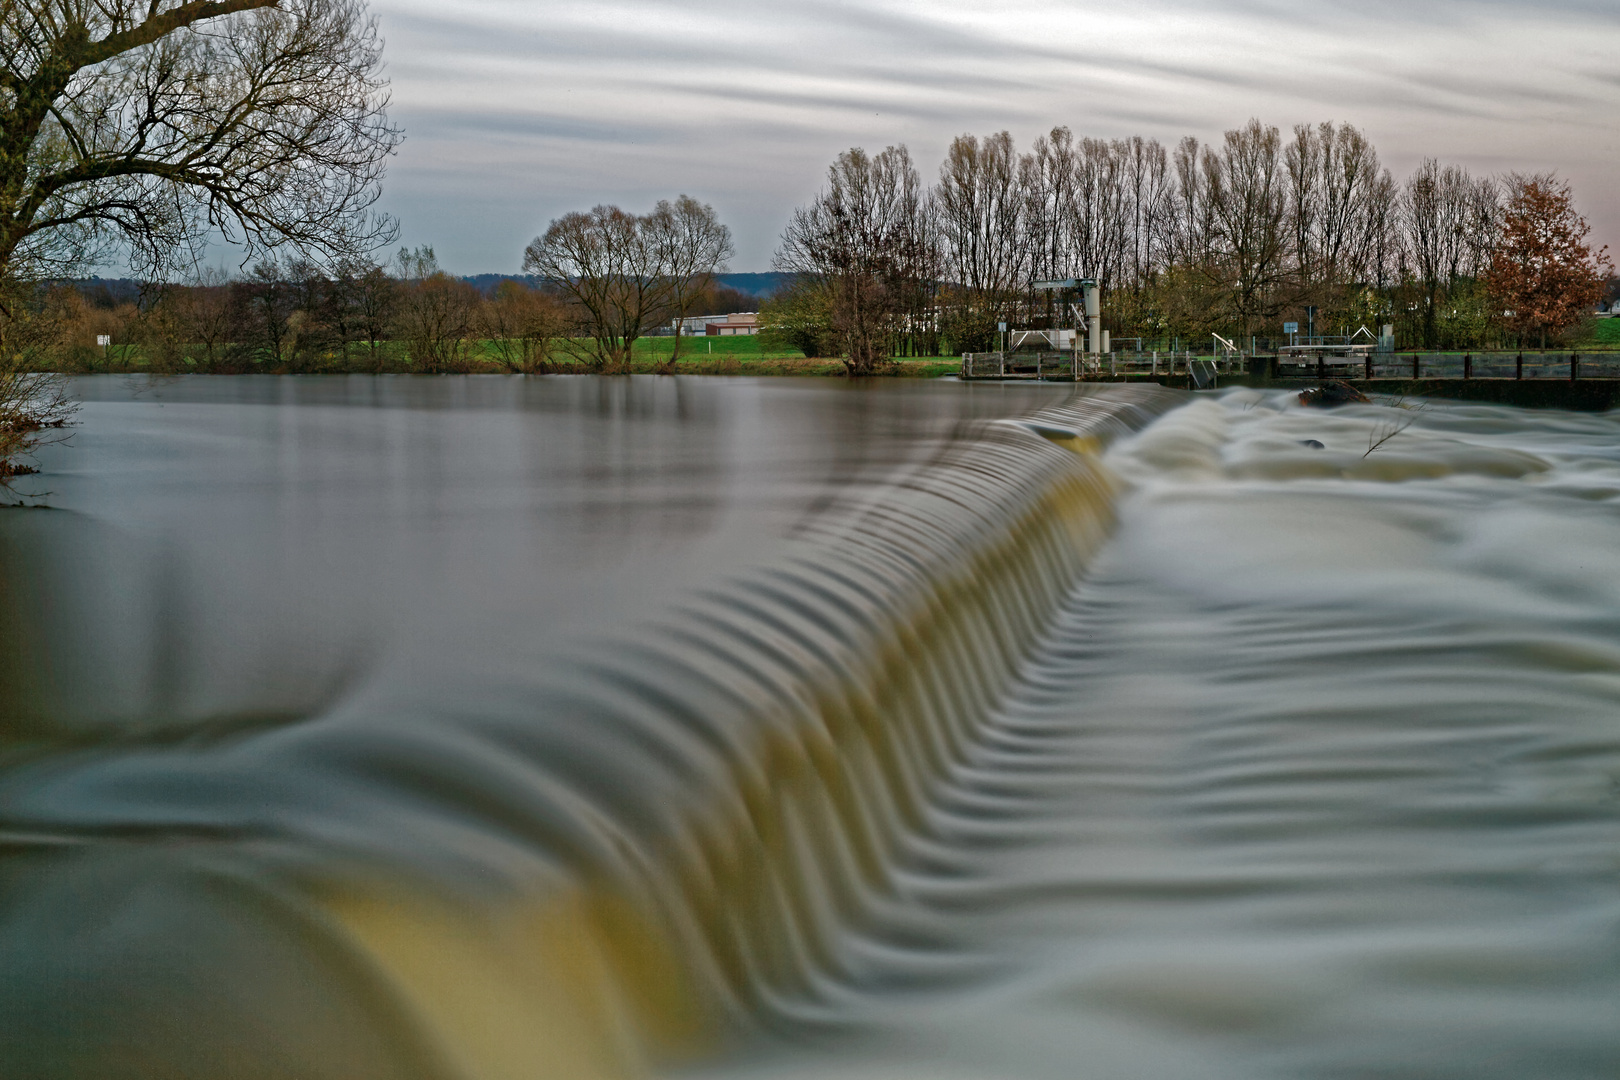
(1562, 380)
(1082, 352)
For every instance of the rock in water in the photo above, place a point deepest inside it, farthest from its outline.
(1331, 395)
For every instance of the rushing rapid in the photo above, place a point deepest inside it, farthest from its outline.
(577, 727)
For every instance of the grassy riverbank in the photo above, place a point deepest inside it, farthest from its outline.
(739, 355)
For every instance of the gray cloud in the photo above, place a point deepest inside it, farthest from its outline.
(517, 112)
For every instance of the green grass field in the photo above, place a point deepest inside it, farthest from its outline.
(734, 355)
(741, 355)
(698, 348)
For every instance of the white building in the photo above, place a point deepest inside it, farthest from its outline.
(739, 322)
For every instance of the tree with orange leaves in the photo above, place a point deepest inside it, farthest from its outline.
(1544, 277)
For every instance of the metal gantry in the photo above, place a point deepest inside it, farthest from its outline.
(1051, 343)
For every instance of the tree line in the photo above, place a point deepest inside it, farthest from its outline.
(1185, 241)
(1203, 239)
(295, 316)
(290, 315)
(138, 130)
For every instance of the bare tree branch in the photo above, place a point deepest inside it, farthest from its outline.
(143, 125)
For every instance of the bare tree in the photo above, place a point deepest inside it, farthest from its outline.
(1047, 177)
(337, 311)
(609, 264)
(34, 407)
(865, 244)
(1337, 216)
(161, 329)
(1450, 226)
(435, 313)
(373, 297)
(309, 332)
(1202, 238)
(1305, 211)
(521, 322)
(1385, 249)
(918, 267)
(1245, 184)
(1100, 216)
(270, 301)
(691, 246)
(1190, 225)
(205, 308)
(145, 123)
(1145, 175)
(982, 212)
(1352, 185)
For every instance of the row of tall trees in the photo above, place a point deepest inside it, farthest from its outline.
(866, 259)
(1185, 241)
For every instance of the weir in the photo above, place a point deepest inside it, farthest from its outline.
(977, 731)
(665, 841)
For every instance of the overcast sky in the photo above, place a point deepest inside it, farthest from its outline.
(517, 111)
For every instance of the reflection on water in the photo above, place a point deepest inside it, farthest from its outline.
(586, 727)
(284, 535)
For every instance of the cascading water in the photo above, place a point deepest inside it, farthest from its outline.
(619, 857)
(574, 728)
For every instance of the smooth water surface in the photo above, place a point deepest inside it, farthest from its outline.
(243, 545)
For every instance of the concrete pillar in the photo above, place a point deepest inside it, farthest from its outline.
(1093, 318)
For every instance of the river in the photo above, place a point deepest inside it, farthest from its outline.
(724, 728)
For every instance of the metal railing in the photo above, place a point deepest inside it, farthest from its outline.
(1009, 365)
(1202, 369)
(1157, 362)
(1461, 365)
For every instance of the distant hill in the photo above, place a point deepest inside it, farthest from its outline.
(106, 292)
(488, 283)
(109, 291)
(763, 286)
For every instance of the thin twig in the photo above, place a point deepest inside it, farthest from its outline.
(1381, 435)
